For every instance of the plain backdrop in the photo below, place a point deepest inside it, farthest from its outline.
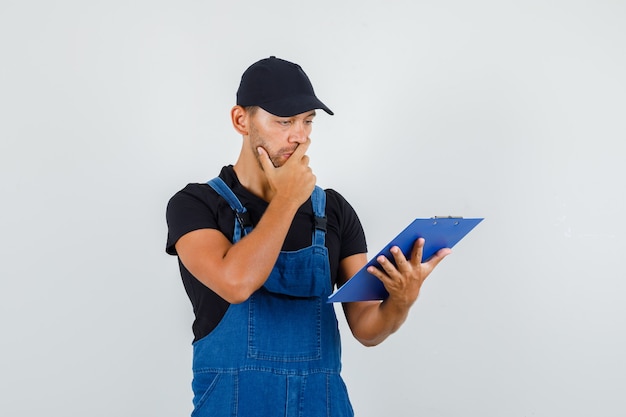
(508, 110)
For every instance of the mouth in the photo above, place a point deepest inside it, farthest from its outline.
(280, 159)
(286, 153)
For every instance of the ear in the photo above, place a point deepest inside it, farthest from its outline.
(239, 118)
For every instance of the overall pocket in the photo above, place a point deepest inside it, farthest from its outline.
(285, 323)
(303, 273)
(284, 328)
(214, 394)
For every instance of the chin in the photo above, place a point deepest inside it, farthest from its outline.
(278, 162)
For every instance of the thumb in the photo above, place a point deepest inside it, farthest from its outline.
(265, 160)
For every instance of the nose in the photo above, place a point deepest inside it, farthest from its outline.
(298, 133)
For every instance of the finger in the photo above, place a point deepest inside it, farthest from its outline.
(384, 278)
(301, 149)
(264, 158)
(388, 266)
(438, 257)
(401, 261)
(417, 251)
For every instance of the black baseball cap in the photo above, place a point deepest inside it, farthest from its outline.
(279, 87)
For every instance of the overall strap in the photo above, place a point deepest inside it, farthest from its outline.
(318, 199)
(242, 216)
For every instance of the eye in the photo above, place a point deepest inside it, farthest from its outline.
(284, 122)
(308, 122)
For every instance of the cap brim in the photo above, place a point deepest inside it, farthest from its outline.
(294, 105)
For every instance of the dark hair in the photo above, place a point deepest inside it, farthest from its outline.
(251, 110)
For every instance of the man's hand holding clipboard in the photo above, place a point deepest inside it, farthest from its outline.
(403, 277)
(423, 239)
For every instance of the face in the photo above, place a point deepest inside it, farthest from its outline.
(279, 136)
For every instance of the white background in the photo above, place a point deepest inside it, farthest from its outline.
(512, 111)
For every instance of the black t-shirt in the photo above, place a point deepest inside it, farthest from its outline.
(198, 206)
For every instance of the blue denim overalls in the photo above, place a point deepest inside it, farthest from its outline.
(278, 353)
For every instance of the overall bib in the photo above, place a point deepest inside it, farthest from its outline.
(278, 353)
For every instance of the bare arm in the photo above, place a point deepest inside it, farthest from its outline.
(234, 272)
(371, 322)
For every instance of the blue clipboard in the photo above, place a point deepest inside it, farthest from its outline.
(438, 233)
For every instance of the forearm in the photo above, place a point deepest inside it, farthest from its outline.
(373, 322)
(235, 271)
(249, 262)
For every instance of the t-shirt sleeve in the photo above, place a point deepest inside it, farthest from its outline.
(187, 211)
(351, 231)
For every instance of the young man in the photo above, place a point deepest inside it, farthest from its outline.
(261, 248)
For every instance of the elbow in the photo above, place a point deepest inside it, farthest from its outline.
(236, 291)
(237, 297)
(369, 340)
(369, 343)
(233, 285)
(233, 290)
(371, 337)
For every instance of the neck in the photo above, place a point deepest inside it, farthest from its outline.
(251, 176)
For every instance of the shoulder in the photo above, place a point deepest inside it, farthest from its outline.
(344, 221)
(198, 194)
(193, 191)
(336, 201)
(192, 197)
(339, 210)
(196, 206)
